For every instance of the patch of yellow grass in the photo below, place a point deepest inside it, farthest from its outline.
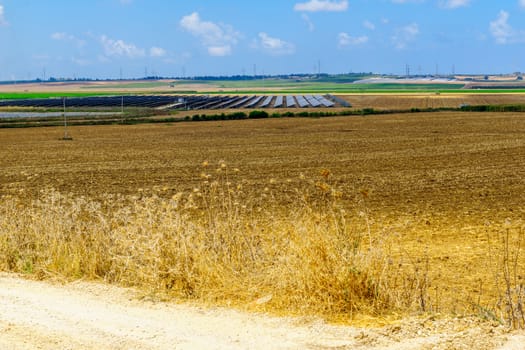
(216, 244)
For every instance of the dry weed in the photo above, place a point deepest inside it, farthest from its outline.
(217, 243)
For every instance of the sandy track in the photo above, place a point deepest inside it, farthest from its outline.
(37, 315)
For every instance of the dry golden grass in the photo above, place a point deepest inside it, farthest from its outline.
(217, 243)
(428, 200)
(388, 101)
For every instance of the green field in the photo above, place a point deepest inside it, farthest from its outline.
(30, 95)
(265, 86)
(134, 85)
(288, 85)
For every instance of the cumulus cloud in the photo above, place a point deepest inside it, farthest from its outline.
(157, 52)
(274, 46)
(120, 48)
(346, 39)
(220, 51)
(3, 21)
(322, 6)
(501, 29)
(405, 35)
(452, 4)
(217, 38)
(61, 36)
(406, 1)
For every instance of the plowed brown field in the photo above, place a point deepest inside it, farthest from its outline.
(445, 186)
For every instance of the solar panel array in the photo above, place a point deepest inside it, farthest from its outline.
(189, 102)
(267, 101)
(301, 101)
(313, 101)
(254, 101)
(290, 101)
(278, 102)
(339, 100)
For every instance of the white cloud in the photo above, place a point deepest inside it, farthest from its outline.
(3, 21)
(369, 25)
(522, 3)
(61, 36)
(220, 51)
(452, 4)
(407, 1)
(274, 46)
(405, 35)
(322, 5)
(157, 52)
(120, 48)
(218, 38)
(347, 40)
(501, 29)
(311, 26)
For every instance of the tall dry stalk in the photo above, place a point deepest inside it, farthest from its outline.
(507, 257)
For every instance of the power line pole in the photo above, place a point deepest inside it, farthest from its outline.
(66, 135)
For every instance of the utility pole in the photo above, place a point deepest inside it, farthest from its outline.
(122, 108)
(66, 135)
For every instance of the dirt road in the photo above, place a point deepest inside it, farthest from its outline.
(38, 315)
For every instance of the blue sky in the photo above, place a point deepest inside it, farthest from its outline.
(99, 38)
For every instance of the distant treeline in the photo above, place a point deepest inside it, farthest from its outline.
(493, 108)
(365, 111)
(323, 77)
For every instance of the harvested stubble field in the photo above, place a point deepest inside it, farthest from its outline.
(339, 217)
(407, 101)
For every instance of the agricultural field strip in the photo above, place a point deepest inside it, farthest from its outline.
(190, 102)
(439, 187)
(8, 115)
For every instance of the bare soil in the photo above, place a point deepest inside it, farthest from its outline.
(444, 186)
